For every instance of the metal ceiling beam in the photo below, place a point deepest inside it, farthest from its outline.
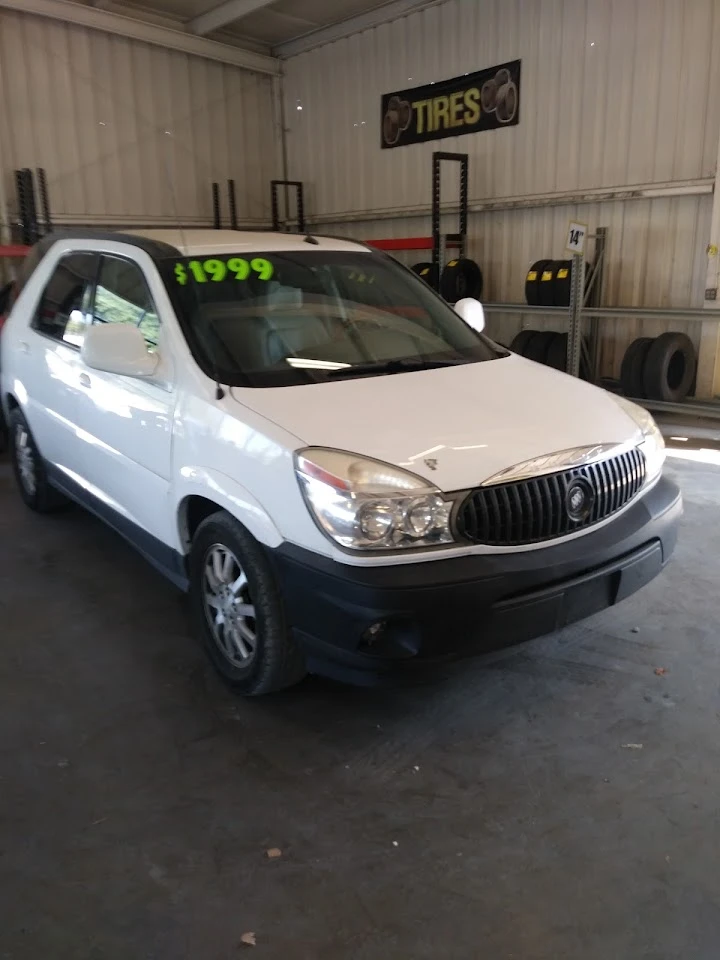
(224, 14)
(364, 21)
(96, 19)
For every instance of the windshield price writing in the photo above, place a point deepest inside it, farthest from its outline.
(202, 271)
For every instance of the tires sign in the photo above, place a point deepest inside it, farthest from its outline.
(484, 100)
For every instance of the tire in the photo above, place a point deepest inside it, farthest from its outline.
(521, 340)
(532, 281)
(461, 278)
(546, 283)
(29, 468)
(632, 368)
(556, 356)
(561, 283)
(507, 102)
(669, 368)
(537, 347)
(262, 657)
(428, 272)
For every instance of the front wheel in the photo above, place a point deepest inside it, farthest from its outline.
(238, 609)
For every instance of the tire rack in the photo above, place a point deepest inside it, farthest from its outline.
(459, 238)
(275, 206)
(588, 308)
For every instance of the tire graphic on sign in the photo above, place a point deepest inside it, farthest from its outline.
(397, 118)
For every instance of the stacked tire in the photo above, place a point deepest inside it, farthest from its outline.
(547, 283)
(460, 278)
(660, 368)
(542, 346)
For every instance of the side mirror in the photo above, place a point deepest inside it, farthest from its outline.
(472, 313)
(118, 348)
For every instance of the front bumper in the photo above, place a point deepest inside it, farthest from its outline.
(443, 609)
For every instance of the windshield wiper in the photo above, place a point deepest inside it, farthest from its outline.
(392, 366)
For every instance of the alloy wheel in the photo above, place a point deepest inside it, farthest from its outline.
(229, 609)
(25, 458)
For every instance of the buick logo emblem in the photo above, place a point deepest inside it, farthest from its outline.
(579, 500)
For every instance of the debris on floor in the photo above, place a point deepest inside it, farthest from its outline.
(632, 746)
(248, 939)
(273, 853)
(660, 671)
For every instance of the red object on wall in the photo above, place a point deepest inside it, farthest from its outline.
(407, 243)
(13, 250)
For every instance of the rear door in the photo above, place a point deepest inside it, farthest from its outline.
(47, 354)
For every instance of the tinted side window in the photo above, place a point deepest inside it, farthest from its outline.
(122, 296)
(63, 305)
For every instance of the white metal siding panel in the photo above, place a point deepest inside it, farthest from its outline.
(613, 93)
(130, 132)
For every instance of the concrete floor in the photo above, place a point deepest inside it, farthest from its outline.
(498, 814)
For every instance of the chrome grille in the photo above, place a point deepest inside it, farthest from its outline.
(528, 511)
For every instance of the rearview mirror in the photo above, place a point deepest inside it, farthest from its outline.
(118, 348)
(472, 313)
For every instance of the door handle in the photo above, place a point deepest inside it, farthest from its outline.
(84, 380)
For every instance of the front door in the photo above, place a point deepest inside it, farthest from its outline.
(126, 422)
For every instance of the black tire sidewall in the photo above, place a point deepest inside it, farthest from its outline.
(556, 355)
(461, 278)
(632, 368)
(521, 340)
(657, 363)
(277, 662)
(532, 291)
(537, 347)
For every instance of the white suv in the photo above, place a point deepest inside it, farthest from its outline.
(343, 471)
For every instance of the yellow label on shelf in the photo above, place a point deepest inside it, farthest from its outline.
(562, 274)
(547, 275)
(532, 275)
(451, 263)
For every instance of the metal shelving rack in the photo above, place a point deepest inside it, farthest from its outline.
(587, 308)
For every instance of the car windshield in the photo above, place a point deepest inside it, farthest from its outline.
(294, 317)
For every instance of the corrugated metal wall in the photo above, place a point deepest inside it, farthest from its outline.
(129, 132)
(614, 92)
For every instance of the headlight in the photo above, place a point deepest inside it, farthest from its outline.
(364, 504)
(653, 445)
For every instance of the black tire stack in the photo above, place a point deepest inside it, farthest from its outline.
(547, 283)
(660, 368)
(460, 278)
(544, 346)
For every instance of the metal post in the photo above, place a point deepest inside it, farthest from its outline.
(435, 272)
(34, 231)
(216, 205)
(463, 203)
(593, 296)
(44, 199)
(232, 205)
(577, 286)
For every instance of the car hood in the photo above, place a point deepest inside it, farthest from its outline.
(455, 426)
